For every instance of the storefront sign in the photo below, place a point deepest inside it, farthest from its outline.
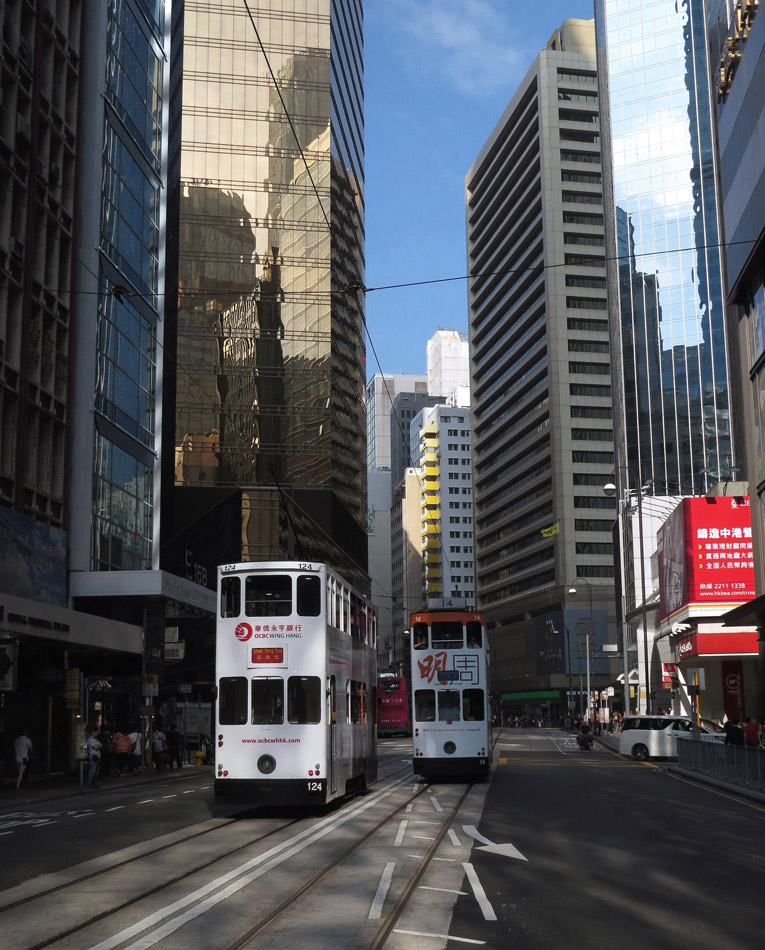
(706, 562)
(737, 643)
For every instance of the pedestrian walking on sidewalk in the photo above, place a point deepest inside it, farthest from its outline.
(23, 751)
(93, 747)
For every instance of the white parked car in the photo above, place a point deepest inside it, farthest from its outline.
(647, 737)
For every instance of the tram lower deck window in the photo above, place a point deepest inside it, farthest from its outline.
(448, 705)
(232, 700)
(304, 699)
(473, 705)
(425, 705)
(267, 701)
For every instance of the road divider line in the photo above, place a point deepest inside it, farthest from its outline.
(449, 937)
(480, 895)
(382, 892)
(401, 832)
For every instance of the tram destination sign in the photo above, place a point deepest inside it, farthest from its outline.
(268, 655)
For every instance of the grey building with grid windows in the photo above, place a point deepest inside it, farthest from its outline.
(541, 381)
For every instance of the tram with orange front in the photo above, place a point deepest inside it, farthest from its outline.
(451, 721)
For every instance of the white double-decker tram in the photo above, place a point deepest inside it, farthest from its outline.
(451, 728)
(295, 671)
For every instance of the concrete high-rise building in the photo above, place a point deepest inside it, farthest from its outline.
(541, 383)
(264, 403)
(449, 367)
(382, 446)
(442, 437)
(382, 390)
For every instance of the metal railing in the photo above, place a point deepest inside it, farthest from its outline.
(736, 766)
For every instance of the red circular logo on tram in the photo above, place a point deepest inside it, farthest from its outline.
(243, 631)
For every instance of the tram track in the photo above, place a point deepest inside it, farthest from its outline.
(102, 872)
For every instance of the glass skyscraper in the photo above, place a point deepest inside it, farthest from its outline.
(666, 280)
(266, 397)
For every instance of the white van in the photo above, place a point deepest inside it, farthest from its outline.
(646, 737)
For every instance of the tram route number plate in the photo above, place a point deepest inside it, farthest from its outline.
(315, 787)
(448, 676)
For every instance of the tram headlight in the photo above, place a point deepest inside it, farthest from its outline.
(266, 764)
(450, 748)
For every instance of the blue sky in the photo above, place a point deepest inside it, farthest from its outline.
(438, 75)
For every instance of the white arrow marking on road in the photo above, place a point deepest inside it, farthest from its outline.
(509, 850)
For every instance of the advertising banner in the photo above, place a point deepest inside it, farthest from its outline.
(705, 557)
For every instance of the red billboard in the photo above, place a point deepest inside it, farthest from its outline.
(705, 557)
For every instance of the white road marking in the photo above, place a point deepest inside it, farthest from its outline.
(169, 796)
(434, 803)
(235, 880)
(189, 791)
(480, 895)
(145, 801)
(422, 933)
(382, 892)
(116, 808)
(425, 837)
(453, 838)
(508, 850)
(401, 832)
(443, 890)
(5, 833)
(408, 808)
(450, 860)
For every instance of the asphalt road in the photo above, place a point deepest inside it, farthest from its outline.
(618, 854)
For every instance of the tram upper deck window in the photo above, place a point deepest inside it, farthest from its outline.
(447, 634)
(420, 636)
(232, 700)
(304, 699)
(267, 701)
(268, 595)
(230, 597)
(308, 595)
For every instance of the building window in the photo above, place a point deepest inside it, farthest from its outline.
(587, 303)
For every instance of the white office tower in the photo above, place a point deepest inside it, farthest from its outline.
(541, 384)
(446, 505)
(449, 367)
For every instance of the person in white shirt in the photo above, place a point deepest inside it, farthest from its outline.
(22, 749)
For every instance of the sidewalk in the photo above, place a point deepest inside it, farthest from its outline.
(46, 788)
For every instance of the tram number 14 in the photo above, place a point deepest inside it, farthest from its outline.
(315, 786)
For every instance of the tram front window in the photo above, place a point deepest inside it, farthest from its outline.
(232, 700)
(474, 638)
(446, 634)
(230, 597)
(268, 595)
(448, 705)
(425, 705)
(267, 701)
(304, 699)
(420, 636)
(473, 705)
(308, 595)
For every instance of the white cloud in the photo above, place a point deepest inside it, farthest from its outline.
(470, 45)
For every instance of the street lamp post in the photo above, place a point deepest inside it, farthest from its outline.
(610, 491)
(572, 591)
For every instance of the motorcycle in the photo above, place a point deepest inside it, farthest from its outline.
(584, 741)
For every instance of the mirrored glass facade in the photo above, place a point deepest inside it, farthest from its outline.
(130, 291)
(666, 274)
(269, 381)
